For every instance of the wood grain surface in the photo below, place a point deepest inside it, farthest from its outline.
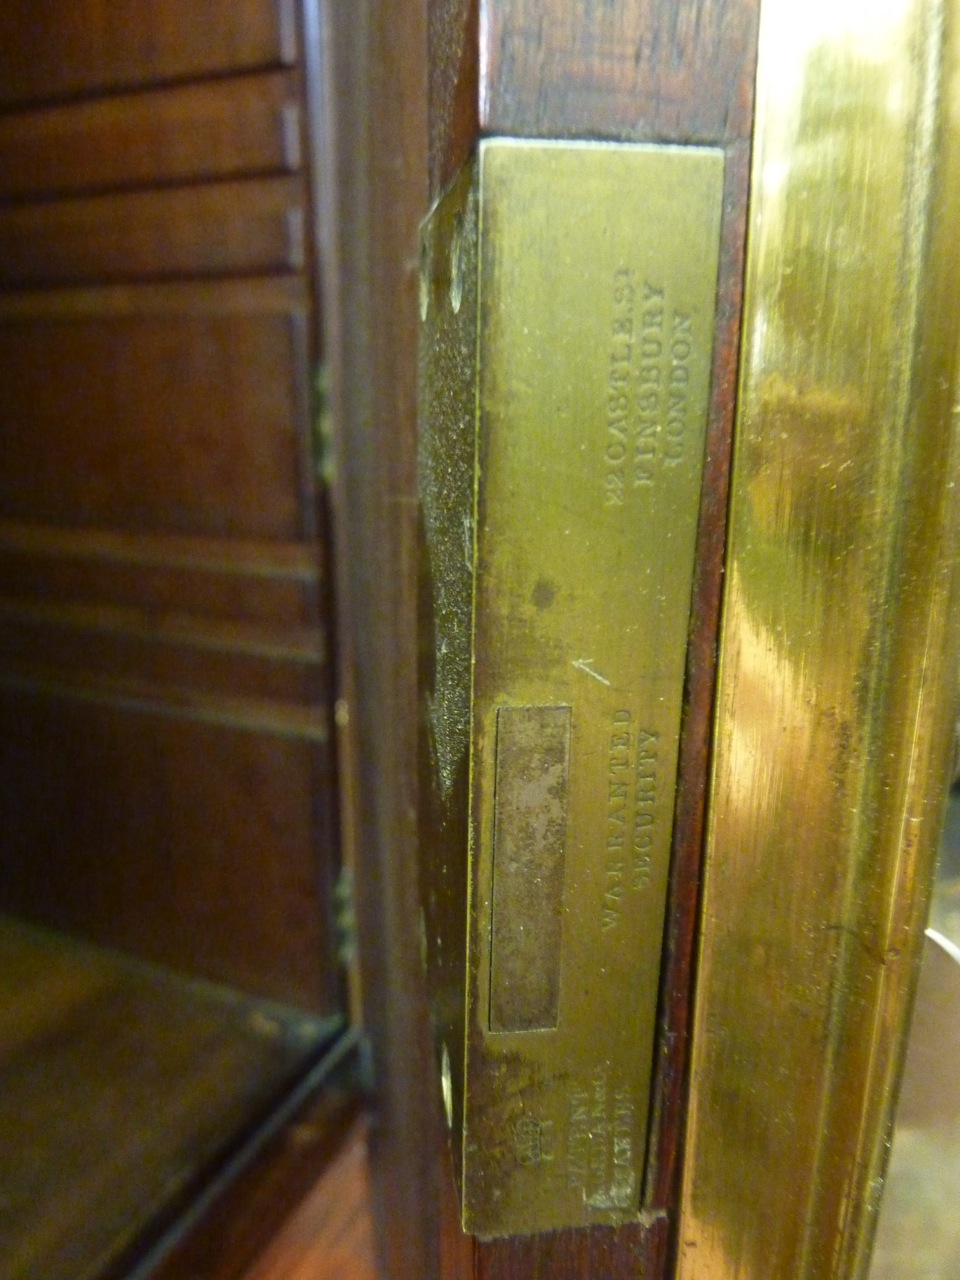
(373, 90)
(644, 71)
(302, 1210)
(134, 424)
(237, 127)
(216, 578)
(187, 842)
(119, 1085)
(50, 50)
(242, 227)
(165, 676)
(330, 1236)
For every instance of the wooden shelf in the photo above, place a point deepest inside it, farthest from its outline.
(121, 1086)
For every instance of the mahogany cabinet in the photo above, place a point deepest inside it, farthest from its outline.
(647, 71)
(208, 601)
(168, 797)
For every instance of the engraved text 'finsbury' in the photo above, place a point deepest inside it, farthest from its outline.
(648, 385)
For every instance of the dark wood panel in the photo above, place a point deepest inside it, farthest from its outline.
(627, 1253)
(303, 722)
(158, 588)
(269, 561)
(330, 1237)
(302, 1165)
(454, 78)
(214, 578)
(573, 68)
(248, 227)
(264, 295)
(374, 196)
(185, 653)
(190, 425)
(240, 126)
(120, 1084)
(175, 627)
(164, 695)
(60, 48)
(195, 845)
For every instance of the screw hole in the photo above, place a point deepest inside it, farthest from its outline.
(446, 1085)
(424, 278)
(456, 264)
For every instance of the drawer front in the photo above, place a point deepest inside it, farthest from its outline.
(233, 127)
(52, 49)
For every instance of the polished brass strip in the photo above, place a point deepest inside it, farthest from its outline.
(252, 715)
(837, 685)
(232, 557)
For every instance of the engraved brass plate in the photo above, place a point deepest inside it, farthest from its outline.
(567, 296)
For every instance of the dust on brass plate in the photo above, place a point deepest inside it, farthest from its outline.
(567, 298)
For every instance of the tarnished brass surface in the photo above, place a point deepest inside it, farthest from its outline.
(837, 682)
(568, 295)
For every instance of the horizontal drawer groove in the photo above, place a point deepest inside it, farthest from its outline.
(244, 125)
(128, 87)
(199, 230)
(290, 644)
(259, 602)
(271, 295)
(50, 52)
(234, 557)
(252, 715)
(121, 656)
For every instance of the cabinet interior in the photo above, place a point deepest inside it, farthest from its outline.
(167, 792)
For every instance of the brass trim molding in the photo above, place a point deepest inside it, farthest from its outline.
(837, 684)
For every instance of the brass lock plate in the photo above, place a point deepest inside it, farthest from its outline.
(567, 299)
